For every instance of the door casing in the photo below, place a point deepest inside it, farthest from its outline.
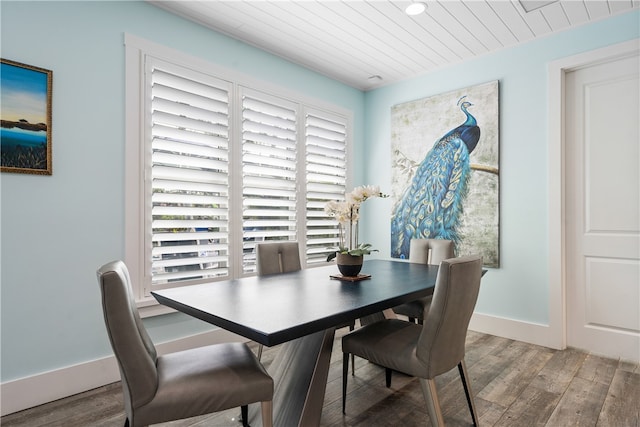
(556, 182)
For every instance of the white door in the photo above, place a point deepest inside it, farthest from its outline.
(603, 208)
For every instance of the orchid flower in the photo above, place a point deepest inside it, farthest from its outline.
(347, 213)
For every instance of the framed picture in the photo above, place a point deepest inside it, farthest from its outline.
(445, 172)
(25, 114)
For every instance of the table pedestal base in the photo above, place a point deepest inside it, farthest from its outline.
(300, 372)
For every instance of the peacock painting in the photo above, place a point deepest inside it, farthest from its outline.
(447, 189)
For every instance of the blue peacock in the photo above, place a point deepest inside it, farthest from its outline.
(432, 205)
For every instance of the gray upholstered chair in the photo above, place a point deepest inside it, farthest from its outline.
(277, 257)
(280, 257)
(181, 384)
(424, 251)
(428, 350)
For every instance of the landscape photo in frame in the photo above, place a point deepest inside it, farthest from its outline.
(25, 114)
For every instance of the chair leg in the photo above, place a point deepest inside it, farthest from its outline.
(387, 377)
(466, 383)
(267, 413)
(244, 411)
(345, 371)
(352, 326)
(431, 398)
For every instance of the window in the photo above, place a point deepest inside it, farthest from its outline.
(325, 179)
(189, 166)
(215, 164)
(269, 172)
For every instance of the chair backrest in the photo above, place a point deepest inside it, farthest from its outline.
(442, 340)
(277, 257)
(131, 344)
(430, 251)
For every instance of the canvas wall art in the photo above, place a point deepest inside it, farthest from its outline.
(25, 113)
(445, 171)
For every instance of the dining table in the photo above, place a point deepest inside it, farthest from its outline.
(301, 310)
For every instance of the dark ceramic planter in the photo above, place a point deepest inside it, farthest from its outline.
(349, 265)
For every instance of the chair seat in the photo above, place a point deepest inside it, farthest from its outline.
(204, 380)
(414, 309)
(390, 343)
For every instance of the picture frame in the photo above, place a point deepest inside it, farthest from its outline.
(424, 144)
(25, 115)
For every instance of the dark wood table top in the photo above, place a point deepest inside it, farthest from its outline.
(281, 307)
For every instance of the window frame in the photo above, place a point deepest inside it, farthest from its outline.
(137, 205)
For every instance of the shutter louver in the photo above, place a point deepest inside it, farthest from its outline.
(269, 157)
(326, 146)
(189, 177)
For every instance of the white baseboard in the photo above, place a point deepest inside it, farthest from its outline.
(42, 388)
(532, 333)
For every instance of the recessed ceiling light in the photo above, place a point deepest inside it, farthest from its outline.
(415, 8)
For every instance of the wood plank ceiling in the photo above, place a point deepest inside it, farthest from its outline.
(368, 44)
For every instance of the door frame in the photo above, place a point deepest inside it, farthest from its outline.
(556, 178)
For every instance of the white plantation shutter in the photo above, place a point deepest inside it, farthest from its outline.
(326, 173)
(216, 163)
(189, 185)
(269, 181)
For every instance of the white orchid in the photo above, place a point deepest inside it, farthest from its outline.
(339, 210)
(362, 193)
(347, 213)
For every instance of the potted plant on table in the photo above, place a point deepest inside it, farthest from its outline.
(350, 253)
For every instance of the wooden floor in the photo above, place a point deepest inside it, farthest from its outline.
(515, 384)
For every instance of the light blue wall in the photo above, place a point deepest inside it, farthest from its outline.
(56, 230)
(520, 288)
